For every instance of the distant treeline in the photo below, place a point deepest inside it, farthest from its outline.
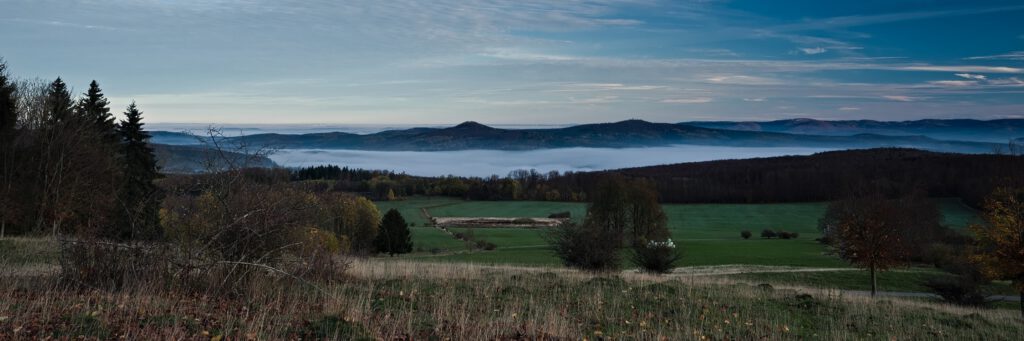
(819, 177)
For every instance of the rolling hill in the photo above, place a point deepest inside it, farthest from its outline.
(630, 133)
(998, 131)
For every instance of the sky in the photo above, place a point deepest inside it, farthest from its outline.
(527, 61)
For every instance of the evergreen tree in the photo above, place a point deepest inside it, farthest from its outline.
(8, 114)
(8, 167)
(139, 196)
(393, 237)
(94, 107)
(59, 105)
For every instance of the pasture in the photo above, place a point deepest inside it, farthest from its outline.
(709, 234)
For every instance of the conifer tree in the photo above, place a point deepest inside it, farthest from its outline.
(393, 237)
(95, 108)
(8, 121)
(8, 114)
(139, 196)
(59, 105)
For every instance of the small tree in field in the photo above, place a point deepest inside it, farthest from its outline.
(393, 237)
(745, 234)
(877, 233)
(999, 249)
(768, 234)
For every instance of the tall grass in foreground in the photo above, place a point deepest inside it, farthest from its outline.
(385, 299)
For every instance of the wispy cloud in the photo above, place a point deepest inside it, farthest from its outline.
(742, 80)
(813, 50)
(954, 83)
(962, 68)
(697, 100)
(970, 76)
(849, 109)
(1015, 55)
(900, 98)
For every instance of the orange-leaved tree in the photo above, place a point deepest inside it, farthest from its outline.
(999, 246)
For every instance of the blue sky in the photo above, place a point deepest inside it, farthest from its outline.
(528, 61)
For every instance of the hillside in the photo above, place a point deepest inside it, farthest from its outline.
(998, 131)
(818, 177)
(193, 159)
(630, 133)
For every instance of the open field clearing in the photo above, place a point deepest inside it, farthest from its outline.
(398, 299)
(520, 222)
(709, 234)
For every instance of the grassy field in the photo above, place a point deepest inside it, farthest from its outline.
(707, 233)
(389, 299)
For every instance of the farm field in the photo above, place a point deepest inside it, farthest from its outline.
(707, 233)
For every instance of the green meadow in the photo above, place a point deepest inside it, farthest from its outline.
(709, 234)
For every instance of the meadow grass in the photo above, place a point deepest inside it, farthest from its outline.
(708, 234)
(400, 299)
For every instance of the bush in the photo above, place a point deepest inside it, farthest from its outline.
(586, 247)
(745, 234)
(794, 235)
(768, 234)
(656, 257)
(485, 245)
(108, 265)
(784, 235)
(959, 290)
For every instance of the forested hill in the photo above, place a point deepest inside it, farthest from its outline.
(630, 133)
(952, 129)
(822, 176)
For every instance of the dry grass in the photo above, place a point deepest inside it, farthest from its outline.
(396, 299)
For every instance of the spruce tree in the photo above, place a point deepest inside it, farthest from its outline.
(94, 107)
(8, 114)
(140, 198)
(59, 105)
(393, 237)
(8, 167)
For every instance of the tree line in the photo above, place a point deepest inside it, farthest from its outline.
(68, 167)
(820, 177)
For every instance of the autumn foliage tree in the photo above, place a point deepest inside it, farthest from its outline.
(999, 247)
(878, 233)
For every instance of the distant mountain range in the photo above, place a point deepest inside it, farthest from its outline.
(631, 133)
(997, 131)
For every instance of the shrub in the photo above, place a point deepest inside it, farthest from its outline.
(656, 257)
(109, 265)
(794, 235)
(784, 235)
(768, 234)
(745, 234)
(485, 245)
(959, 290)
(586, 247)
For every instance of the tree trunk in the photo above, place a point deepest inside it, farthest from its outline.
(874, 281)
(1022, 304)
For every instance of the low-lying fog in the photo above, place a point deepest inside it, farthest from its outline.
(493, 162)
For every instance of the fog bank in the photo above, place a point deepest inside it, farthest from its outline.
(491, 162)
